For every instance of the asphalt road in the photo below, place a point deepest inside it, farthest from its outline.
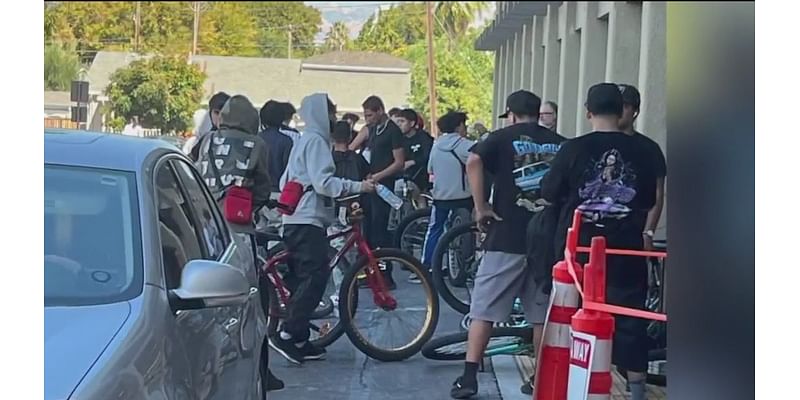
(347, 374)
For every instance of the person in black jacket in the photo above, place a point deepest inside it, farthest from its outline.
(279, 145)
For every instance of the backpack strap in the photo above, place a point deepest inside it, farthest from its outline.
(463, 166)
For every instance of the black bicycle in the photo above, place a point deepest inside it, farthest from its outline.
(455, 263)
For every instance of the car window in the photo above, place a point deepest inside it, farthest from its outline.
(212, 232)
(179, 241)
(92, 236)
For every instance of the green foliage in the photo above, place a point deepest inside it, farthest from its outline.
(463, 78)
(338, 37)
(61, 67)
(229, 29)
(456, 16)
(166, 27)
(163, 91)
(394, 30)
(274, 21)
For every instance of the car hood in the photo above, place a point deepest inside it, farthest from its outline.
(74, 338)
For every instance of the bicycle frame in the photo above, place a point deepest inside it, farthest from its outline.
(355, 238)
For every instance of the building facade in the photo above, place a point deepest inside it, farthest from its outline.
(559, 49)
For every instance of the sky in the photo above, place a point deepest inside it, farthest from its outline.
(355, 13)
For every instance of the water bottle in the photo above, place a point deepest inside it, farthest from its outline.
(389, 197)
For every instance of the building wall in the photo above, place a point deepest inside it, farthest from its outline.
(559, 53)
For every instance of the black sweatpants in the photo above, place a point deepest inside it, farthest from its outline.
(308, 264)
(377, 224)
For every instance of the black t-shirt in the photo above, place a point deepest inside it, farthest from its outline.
(655, 152)
(418, 149)
(516, 156)
(350, 165)
(383, 140)
(611, 178)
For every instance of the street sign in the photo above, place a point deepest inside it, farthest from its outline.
(79, 114)
(79, 92)
(580, 365)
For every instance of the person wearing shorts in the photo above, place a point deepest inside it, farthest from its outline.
(521, 149)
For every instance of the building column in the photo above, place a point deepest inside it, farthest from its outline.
(568, 69)
(624, 38)
(527, 59)
(552, 54)
(507, 79)
(537, 56)
(591, 70)
(498, 62)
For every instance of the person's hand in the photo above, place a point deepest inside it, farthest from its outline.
(648, 243)
(485, 217)
(367, 186)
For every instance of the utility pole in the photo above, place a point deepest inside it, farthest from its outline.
(431, 70)
(196, 25)
(289, 49)
(137, 21)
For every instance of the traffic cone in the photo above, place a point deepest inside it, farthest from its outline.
(595, 323)
(552, 362)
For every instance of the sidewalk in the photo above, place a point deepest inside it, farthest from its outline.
(511, 372)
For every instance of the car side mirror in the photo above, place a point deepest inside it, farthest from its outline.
(207, 283)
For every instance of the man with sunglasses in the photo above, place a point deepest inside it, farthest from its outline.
(215, 105)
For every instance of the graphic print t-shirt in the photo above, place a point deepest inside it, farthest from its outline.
(517, 156)
(610, 177)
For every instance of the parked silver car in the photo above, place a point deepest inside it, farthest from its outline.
(147, 293)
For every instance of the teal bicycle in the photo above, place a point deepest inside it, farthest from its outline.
(513, 337)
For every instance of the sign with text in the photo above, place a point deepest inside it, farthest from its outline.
(581, 355)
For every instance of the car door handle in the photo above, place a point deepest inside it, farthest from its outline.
(253, 291)
(231, 323)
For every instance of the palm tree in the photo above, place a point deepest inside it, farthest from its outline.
(456, 16)
(61, 66)
(338, 37)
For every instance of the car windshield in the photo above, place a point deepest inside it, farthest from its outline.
(92, 236)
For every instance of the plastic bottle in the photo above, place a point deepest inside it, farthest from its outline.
(389, 197)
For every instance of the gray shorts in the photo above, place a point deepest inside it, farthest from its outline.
(501, 278)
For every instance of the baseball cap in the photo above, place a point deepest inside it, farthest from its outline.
(522, 102)
(604, 99)
(630, 95)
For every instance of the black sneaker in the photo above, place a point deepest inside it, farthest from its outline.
(287, 349)
(527, 388)
(463, 391)
(273, 383)
(311, 352)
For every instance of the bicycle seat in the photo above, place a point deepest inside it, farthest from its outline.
(264, 237)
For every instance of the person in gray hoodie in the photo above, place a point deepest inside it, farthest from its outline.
(447, 165)
(311, 165)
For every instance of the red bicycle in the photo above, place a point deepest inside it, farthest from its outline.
(386, 325)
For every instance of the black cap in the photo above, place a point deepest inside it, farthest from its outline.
(604, 99)
(630, 95)
(522, 102)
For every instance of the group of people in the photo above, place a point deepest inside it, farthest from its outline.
(613, 175)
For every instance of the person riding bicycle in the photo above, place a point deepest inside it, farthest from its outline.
(311, 165)
(451, 191)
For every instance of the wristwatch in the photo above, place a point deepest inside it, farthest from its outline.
(649, 233)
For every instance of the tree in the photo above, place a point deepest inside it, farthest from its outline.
(393, 30)
(163, 91)
(61, 66)
(456, 16)
(338, 37)
(229, 29)
(278, 20)
(463, 77)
